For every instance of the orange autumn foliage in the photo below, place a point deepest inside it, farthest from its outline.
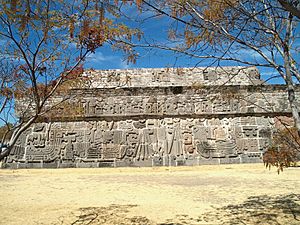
(284, 151)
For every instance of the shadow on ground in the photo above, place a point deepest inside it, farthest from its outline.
(111, 215)
(259, 210)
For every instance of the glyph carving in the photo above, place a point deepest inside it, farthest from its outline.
(159, 117)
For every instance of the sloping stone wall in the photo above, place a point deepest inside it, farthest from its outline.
(145, 142)
(157, 126)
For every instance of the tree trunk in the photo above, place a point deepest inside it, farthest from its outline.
(291, 90)
(4, 153)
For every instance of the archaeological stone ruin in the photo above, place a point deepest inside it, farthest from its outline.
(158, 117)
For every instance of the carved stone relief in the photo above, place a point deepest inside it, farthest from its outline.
(142, 139)
(156, 114)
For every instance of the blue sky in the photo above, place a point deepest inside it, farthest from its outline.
(106, 58)
(156, 29)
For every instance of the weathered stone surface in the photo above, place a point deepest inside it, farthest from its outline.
(159, 117)
(167, 77)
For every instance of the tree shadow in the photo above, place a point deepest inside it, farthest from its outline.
(111, 215)
(283, 209)
(258, 210)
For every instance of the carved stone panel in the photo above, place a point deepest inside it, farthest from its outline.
(159, 117)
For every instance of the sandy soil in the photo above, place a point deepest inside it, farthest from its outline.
(226, 194)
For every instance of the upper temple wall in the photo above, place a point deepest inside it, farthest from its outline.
(187, 91)
(174, 77)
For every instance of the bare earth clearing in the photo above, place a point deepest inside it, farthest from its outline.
(226, 194)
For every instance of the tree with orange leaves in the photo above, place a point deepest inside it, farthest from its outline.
(261, 33)
(220, 30)
(45, 42)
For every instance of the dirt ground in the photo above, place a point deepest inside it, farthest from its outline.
(226, 194)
